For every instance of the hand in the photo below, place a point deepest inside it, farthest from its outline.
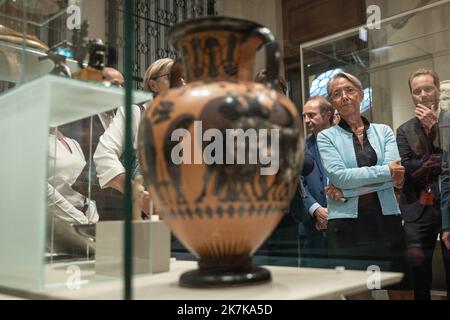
(321, 215)
(333, 192)
(434, 166)
(91, 212)
(446, 238)
(320, 226)
(397, 173)
(426, 167)
(146, 203)
(426, 116)
(434, 163)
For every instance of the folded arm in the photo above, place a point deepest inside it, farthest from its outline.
(110, 170)
(67, 211)
(391, 154)
(350, 178)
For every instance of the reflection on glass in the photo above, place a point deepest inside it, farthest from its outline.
(383, 62)
(319, 88)
(319, 84)
(66, 206)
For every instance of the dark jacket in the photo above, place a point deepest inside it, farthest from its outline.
(415, 148)
(297, 208)
(316, 181)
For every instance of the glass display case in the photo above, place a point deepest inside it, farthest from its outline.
(61, 226)
(382, 57)
(56, 100)
(30, 29)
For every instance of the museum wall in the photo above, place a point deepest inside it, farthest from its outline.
(90, 11)
(265, 12)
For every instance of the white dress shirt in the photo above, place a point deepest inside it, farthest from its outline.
(64, 167)
(112, 145)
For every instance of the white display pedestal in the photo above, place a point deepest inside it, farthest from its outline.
(26, 113)
(288, 283)
(151, 247)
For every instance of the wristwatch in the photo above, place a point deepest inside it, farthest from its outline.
(86, 205)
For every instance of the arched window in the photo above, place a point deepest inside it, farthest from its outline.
(319, 88)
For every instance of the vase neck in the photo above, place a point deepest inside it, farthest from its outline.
(219, 55)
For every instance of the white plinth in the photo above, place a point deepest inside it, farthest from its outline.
(151, 247)
(288, 283)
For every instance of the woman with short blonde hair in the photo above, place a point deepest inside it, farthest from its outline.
(362, 162)
(156, 77)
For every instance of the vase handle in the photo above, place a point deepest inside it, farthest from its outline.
(273, 57)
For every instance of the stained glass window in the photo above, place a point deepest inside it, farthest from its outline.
(319, 84)
(319, 88)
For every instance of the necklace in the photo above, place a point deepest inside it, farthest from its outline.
(359, 131)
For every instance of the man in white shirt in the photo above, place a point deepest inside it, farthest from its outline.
(89, 131)
(107, 156)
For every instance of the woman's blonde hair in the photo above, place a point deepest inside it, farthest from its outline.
(354, 80)
(156, 70)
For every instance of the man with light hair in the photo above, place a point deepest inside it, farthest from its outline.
(91, 129)
(420, 202)
(112, 77)
(110, 170)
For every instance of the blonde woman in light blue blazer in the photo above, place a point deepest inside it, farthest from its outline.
(362, 162)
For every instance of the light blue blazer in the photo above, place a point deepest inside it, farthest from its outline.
(339, 161)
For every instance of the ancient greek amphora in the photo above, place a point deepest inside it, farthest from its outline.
(221, 155)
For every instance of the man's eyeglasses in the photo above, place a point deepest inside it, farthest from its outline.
(348, 91)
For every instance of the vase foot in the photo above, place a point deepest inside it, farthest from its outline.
(224, 277)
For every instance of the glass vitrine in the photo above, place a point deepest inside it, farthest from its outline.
(56, 101)
(382, 57)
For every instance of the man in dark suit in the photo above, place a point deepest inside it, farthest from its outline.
(420, 150)
(318, 115)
